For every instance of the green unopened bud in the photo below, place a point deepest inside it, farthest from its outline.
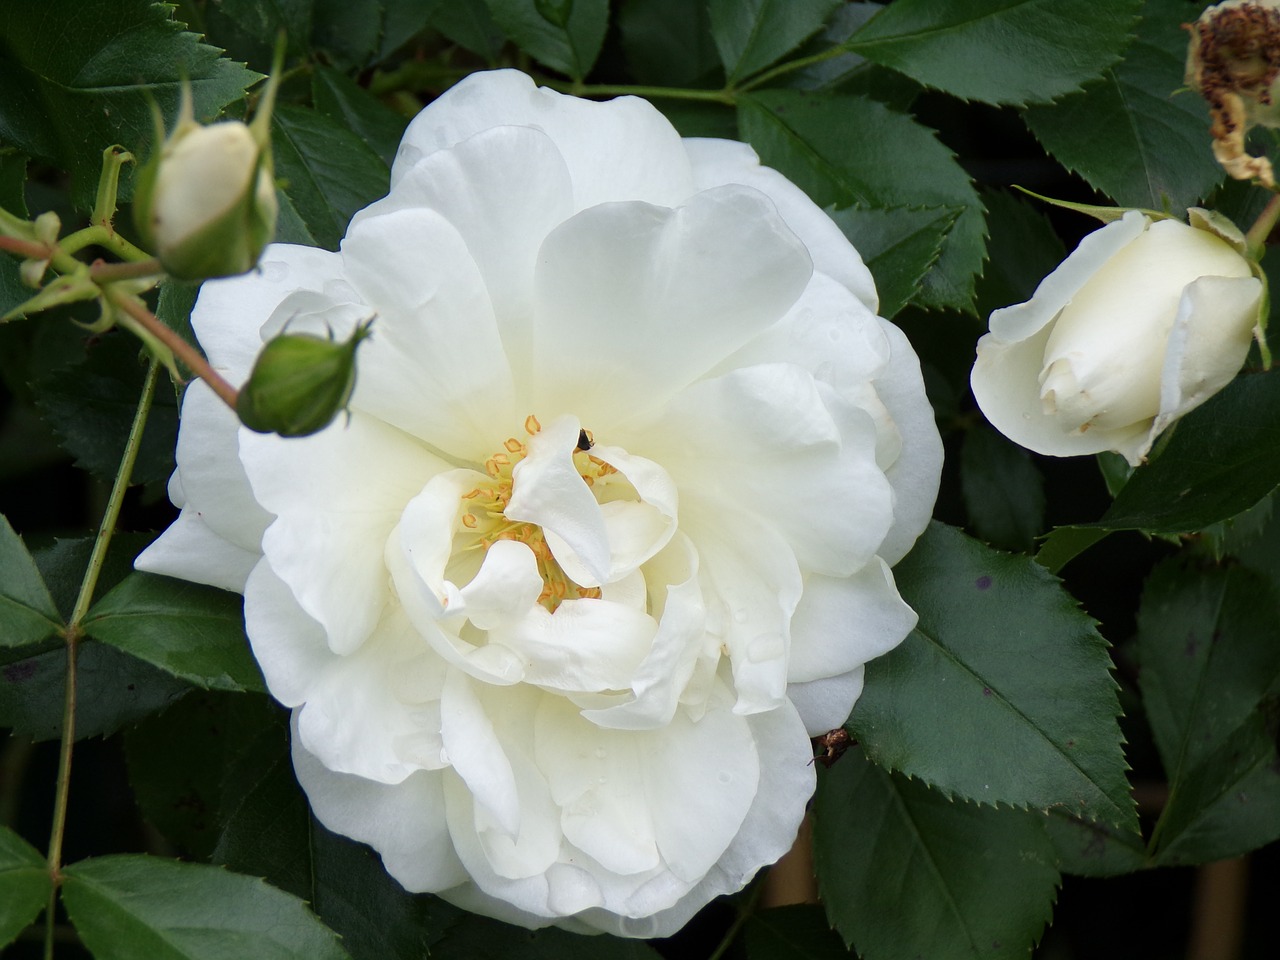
(300, 383)
(205, 201)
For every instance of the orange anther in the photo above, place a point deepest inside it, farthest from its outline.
(469, 521)
(531, 425)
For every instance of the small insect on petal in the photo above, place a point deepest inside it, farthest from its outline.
(832, 745)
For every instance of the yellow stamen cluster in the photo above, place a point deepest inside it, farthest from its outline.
(485, 506)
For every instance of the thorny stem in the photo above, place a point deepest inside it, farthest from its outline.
(105, 237)
(100, 272)
(61, 252)
(72, 633)
(181, 349)
(31, 249)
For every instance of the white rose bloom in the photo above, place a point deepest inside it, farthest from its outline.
(1141, 324)
(554, 684)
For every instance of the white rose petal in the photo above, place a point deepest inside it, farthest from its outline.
(608, 530)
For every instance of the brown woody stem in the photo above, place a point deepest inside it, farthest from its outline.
(188, 354)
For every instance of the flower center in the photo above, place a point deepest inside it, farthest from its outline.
(484, 513)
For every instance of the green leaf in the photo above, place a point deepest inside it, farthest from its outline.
(27, 612)
(91, 406)
(960, 881)
(249, 27)
(178, 761)
(753, 34)
(1022, 250)
(565, 35)
(1221, 458)
(999, 51)
(799, 932)
(1115, 470)
(1002, 657)
(12, 290)
(290, 227)
(329, 172)
(173, 306)
(847, 72)
(823, 143)
(126, 907)
(268, 831)
(1230, 803)
(347, 103)
(1131, 135)
(267, 825)
(73, 74)
(1210, 683)
(112, 690)
(63, 563)
(13, 182)
(1064, 544)
(479, 938)
(1094, 849)
(898, 246)
(693, 118)
(1003, 490)
(1261, 552)
(667, 41)
(469, 24)
(401, 21)
(1236, 534)
(192, 631)
(348, 30)
(24, 885)
(377, 919)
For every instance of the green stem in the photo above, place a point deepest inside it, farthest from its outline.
(790, 66)
(72, 632)
(31, 249)
(1256, 238)
(745, 913)
(105, 237)
(725, 96)
(107, 272)
(181, 349)
(116, 498)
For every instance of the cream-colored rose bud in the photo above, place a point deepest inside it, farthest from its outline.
(1142, 323)
(206, 202)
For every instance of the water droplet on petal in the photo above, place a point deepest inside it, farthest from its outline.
(408, 155)
(274, 271)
